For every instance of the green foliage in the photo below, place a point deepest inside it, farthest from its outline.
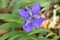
(55, 1)
(50, 34)
(3, 3)
(20, 4)
(9, 17)
(39, 31)
(56, 37)
(10, 25)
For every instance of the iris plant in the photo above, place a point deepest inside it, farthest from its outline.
(31, 16)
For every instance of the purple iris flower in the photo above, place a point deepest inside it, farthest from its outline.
(31, 16)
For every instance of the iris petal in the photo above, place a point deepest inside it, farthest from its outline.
(27, 27)
(37, 22)
(36, 8)
(29, 11)
(23, 13)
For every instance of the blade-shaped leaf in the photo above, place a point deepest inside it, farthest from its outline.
(11, 18)
(3, 3)
(10, 25)
(43, 39)
(12, 33)
(50, 34)
(39, 31)
(56, 37)
(21, 34)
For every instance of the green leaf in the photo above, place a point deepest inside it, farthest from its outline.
(50, 34)
(10, 25)
(32, 38)
(21, 34)
(55, 1)
(43, 39)
(46, 5)
(56, 37)
(35, 38)
(24, 38)
(20, 4)
(39, 31)
(3, 3)
(11, 18)
(11, 3)
(12, 33)
(14, 37)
